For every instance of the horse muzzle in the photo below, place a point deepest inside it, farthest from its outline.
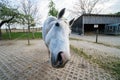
(60, 61)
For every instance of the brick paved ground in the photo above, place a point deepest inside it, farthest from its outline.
(19, 61)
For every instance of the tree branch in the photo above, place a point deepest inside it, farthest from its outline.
(6, 21)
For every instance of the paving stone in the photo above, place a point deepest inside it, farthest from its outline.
(21, 62)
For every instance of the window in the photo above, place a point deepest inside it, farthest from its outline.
(114, 28)
(111, 28)
(119, 28)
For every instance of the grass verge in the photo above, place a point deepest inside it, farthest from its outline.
(21, 35)
(108, 63)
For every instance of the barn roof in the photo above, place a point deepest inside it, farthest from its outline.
(109, 15)
(99, 18)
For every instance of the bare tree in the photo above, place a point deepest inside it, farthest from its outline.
(7, 14)
(88, 6)
(31, 11)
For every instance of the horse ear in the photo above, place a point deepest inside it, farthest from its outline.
(61, 13)
(71, 22)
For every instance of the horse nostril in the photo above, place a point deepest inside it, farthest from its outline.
(59, 59)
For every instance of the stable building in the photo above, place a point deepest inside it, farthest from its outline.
(85, 23)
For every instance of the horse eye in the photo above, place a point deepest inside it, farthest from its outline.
(57, 24)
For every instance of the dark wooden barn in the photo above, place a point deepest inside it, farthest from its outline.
(85, 23)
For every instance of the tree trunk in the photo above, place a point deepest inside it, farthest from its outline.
(28, 35)
(23, 29)
(1, 30)
(0, 34)
(33, 36)
(9, 32)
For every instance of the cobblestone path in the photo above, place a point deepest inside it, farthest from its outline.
(18, 61)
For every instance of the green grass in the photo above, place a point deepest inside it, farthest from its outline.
(109, 63)
(21, 35)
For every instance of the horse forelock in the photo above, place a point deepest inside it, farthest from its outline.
(62, 22)
(65, 26)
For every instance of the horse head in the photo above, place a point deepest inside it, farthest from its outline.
(56, 36)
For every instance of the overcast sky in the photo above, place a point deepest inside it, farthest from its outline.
(110, 6)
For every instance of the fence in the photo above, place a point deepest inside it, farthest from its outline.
(22, 30)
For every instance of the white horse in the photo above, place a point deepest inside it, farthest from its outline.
(55, 33)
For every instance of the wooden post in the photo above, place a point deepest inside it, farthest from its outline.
(96, 27)
(96, 35)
